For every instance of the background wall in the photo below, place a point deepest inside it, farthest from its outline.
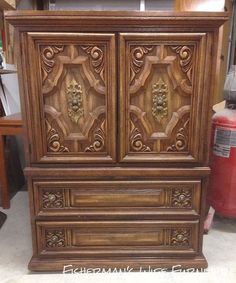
(110, 5)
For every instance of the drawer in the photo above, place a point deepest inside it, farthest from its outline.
(118, 238)
(117, 198)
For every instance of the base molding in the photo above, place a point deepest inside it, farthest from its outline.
(75, 266)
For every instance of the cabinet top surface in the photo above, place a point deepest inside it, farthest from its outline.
(47, 18)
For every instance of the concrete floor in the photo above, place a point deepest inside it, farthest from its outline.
(15, 253)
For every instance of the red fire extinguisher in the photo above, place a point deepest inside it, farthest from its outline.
(222, 185)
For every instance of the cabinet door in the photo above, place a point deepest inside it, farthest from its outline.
(164, 96)
(71, 107)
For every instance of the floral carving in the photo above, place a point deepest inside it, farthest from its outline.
(47, 55)
(99, 139)
(181, 198)
(97, 59)
(74, 101)
(55, 238)
(137, 59)
(136, 140)
(180, 237)
(53, 199)
(53, 140)
(159, 99)
(186, 59)
(181, 139)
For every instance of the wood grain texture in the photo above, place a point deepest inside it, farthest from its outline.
(71, 198)
(167, 263)
(116, 107)
(117, 172)
(203, 5)
(114, 19)
(120, 238)
(177, 67)
(77, 106)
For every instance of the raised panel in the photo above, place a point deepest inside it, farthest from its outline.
(74, 84)
(120, 238)
(118, 196)
(118, 199)
(162, 96)
(117, 237)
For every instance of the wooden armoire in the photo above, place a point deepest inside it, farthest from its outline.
(117, 109)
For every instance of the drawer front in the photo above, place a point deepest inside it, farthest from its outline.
(118, 238)
(107, 198)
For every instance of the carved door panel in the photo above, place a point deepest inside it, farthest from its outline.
(162, 97)
(74, 90)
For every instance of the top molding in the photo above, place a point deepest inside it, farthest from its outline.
(114, 20)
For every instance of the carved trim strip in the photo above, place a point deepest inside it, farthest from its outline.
(181, 198)
(136, 140)
(52, 199)
(137, 59)
(181, 139)
(186, 60)
(55, 238)
(99, 139)
(74, 101)
(159, 99)
(180, 237)
(97, 59)
(53, 140)
(47, 56)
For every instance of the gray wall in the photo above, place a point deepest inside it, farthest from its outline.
(110, 5)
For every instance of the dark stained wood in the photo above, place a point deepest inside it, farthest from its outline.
(116, 107)
(9, 125)
(4, 190)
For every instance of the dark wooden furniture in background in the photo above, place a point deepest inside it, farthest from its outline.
(116, 106)
(2, 112)
(9, 125)
(6, 31)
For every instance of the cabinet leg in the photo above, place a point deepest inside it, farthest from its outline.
(4, 190)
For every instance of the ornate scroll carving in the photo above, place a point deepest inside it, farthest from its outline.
(181, 198)
(53, 140)
(55, 238)
(53, 199)
(136, 140)
(159, 99)
(74, 101)
(186, 59)
(99, 139)
(97, 59)
(180, 237)
(181, 139)
(47, 55)
(137, 59)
